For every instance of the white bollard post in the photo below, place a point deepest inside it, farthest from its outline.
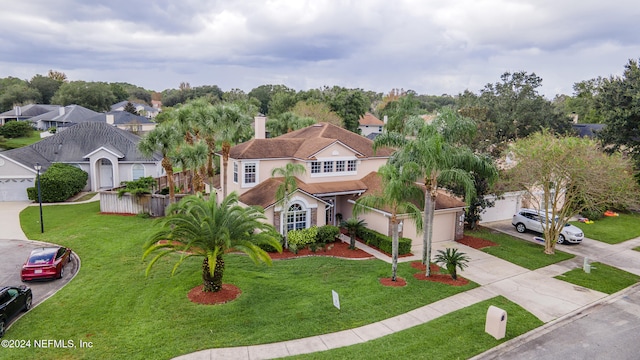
(586, 266)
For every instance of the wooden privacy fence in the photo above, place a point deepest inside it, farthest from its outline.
(152, 204)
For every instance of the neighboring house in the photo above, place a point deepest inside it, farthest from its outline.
(143, 109)
(340, 166)
(108, 154)
(61, 116)
(587, 130)
(125, 121)
(369, 124)
(26, 112)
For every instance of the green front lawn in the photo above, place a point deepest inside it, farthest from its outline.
(125, 315)
(458, 335)
(8, 144)
(603, 278)
(612, 229)
(524, 253)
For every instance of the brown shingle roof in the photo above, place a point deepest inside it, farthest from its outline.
(369, 119)
(305, 143)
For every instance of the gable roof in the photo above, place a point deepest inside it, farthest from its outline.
(305, 143)
(121, 118)
(144, 107)
(29, 110)
(369, 119)
(74, 143)
(66, 114)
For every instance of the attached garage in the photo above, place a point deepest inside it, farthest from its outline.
(15, 178)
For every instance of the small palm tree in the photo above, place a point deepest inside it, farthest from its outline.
(353, 225)
(163, 138)
(197, 226)
(452, 260)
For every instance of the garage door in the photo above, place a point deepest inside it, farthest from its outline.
(14, 189)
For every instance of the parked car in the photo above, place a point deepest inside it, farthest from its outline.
(46, 263)
(529, 219)
(13, 299)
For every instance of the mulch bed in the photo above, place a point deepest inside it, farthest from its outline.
(337, 249)
(436, 276)
(476, 243)
(228, 293)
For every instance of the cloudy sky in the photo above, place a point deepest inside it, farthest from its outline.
(430, 46)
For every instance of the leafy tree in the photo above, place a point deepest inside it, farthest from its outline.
(400, 111)
(438, 149)
(282, 102)
(46, 86)
(452, 260)
(353, 225)
(284, 191)
(583, 103)
(119, 92)
(318, 111)
(287, 122)
(619, 106)
(264, 93)
(57, 75)
(572, 174)
(398, 192)
(96, 96)
(16, 129)
(130, 108)
(350, 105)
(163, 138)
(18, 94)
(199, 227)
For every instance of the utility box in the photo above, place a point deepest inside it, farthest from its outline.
(496, 324)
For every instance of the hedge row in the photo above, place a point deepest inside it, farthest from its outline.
(383, 242)
(58, 183)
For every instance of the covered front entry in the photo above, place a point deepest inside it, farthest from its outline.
(105, 169)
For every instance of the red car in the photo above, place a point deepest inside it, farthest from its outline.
(46, 263)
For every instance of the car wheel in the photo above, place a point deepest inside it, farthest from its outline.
(2, 328)
(61, 273)
(520, 227)
(27, 304)
(561, 239)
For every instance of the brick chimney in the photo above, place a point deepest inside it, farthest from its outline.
(259, 125)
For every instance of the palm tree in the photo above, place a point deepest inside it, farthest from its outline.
(233, 126)
(353, 225)
(438, 150)
(452, 259)
(165, 138)
(197, 226)
(399, 189)
(284, 191)
(193, 157)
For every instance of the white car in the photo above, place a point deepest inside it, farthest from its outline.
(529, 219)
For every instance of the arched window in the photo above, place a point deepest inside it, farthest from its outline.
(296, 217)
(137, 171)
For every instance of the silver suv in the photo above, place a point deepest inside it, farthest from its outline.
(529, 219)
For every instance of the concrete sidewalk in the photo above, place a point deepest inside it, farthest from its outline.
(10, 220)
(536, 291)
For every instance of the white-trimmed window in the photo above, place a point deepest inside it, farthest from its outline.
(296, 217)
(250, 173)
(351, 165)
(340, 166)
(137, 171)
(235, 172)
(327, 166)
(316, 167)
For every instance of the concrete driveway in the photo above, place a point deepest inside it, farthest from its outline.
(14, 250)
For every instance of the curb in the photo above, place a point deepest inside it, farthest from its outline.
(495, 352)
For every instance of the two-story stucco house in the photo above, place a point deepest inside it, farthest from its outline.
(340, 166)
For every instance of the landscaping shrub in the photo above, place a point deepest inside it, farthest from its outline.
(267, 247)
(327, 234)
(58, 183)
(143, 185)
(301, 238)
(16, 129)
(383, 242)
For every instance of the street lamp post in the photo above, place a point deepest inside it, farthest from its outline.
(38, 167)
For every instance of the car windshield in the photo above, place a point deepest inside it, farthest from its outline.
(39, 259)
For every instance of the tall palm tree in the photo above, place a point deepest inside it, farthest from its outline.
(164, 138)
(284, 191)
(193, 157)
(197, 226)
(353, 225)
(438, 149)
(233, 126)
(397, 193)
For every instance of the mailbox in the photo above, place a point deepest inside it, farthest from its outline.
(496, 324)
